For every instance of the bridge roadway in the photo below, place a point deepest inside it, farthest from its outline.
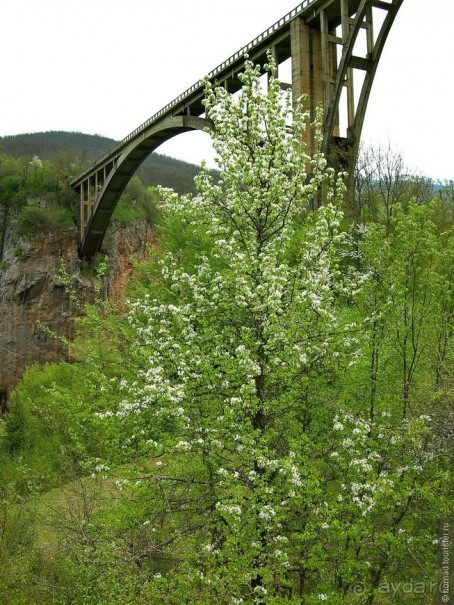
(310, 35)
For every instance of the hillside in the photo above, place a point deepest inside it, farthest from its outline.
(62, 146)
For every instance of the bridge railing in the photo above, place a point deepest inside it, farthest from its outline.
(187, 93)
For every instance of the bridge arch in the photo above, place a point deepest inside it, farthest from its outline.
(319, 37)
(102, 190)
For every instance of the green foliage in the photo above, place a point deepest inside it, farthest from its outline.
(408, 305)
(15, 435)
(35, 194)
(263, 423)
(136, 203)
(95, 267)
(24, 179)
(33, 221)
(48, 431)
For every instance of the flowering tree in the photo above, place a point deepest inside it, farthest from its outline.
(256, 471)
(232, 332)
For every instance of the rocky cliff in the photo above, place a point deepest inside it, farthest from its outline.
(33, 301)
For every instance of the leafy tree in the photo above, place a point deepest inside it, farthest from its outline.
(238, 340)
(445, 206)
(408, 303)
(11, 180)
(230, 334)
(51, 428)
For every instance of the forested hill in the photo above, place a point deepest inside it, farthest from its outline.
(62, 146)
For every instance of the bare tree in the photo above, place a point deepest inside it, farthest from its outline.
(383, 180)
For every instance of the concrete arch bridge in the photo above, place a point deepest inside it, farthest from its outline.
(327, 41)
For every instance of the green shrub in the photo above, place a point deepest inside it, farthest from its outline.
(33, 221)
(47, 430)
(136, 203)
(126, 212)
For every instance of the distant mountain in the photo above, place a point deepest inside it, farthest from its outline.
(61, 146)
(49, 145)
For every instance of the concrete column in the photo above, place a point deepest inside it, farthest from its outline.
(84, 206)
(81, 213)
(91, 195)
(307, 71)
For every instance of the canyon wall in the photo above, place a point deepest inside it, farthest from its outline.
(34, 305)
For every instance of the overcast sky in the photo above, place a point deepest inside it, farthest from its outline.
(105, 66)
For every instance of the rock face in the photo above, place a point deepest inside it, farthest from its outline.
(122, 245)
(34, 303)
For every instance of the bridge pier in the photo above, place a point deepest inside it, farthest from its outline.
(89, 192)
(314, 66)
